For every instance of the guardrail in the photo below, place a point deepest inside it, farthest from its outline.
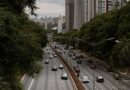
(76, 83)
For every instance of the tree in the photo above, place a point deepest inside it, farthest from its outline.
(21, 43)
(18, 6)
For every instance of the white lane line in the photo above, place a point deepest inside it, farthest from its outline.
(23, 77)
(30, 84)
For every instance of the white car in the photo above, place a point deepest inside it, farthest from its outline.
(99, 79)
(61, 66)
(47, 61)
(55, 55)
(51, 56)
(54, 68)
(85, 79)
(64, 76)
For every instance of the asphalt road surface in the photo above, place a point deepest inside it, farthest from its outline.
(48, 79)
(109, 82)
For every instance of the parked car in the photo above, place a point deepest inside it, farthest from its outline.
(61, 66)
(47, 61)
(54, 68)
(100, 79)
(85, 79)
(64, 76)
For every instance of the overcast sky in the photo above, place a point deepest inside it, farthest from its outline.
(50, 8)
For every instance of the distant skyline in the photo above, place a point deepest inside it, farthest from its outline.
(50, 8)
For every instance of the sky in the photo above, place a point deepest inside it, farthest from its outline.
(50, 8)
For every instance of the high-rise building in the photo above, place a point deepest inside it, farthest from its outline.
(69, 7)
(79, 12)
(84, 11)
(103, 6)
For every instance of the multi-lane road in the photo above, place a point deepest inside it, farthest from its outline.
(51, 80)
(48, 79)
(109, 82)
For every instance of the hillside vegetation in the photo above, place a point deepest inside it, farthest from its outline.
(114, 24)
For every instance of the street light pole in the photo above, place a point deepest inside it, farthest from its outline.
(93, 52)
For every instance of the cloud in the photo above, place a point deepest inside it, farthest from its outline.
(50, 7)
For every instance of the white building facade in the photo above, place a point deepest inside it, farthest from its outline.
(61, 21)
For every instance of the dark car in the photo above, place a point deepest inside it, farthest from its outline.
(90, 61)
(99, 79)
(79, 61)
(93, 66)
(81, 56)
(75, 66)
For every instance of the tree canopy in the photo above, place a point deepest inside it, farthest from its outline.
(21, 43)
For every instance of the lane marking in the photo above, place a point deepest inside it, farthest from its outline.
(23, 77)
(31, 84)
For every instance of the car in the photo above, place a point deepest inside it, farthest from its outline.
(85, 79)
(79, 61)
(48, 52)
(90, 61)
(55, 55)
(74, 67)
(60, 52)
(99, 79)
(74, 58)
(51, 56)
(70, 54)
(47, 61)
(61, 66)
(116, 76)
(54, 68)
(93, 66)
(81, 56)
(64, 76)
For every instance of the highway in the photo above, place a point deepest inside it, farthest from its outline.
(109, 82)
(48, 79)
